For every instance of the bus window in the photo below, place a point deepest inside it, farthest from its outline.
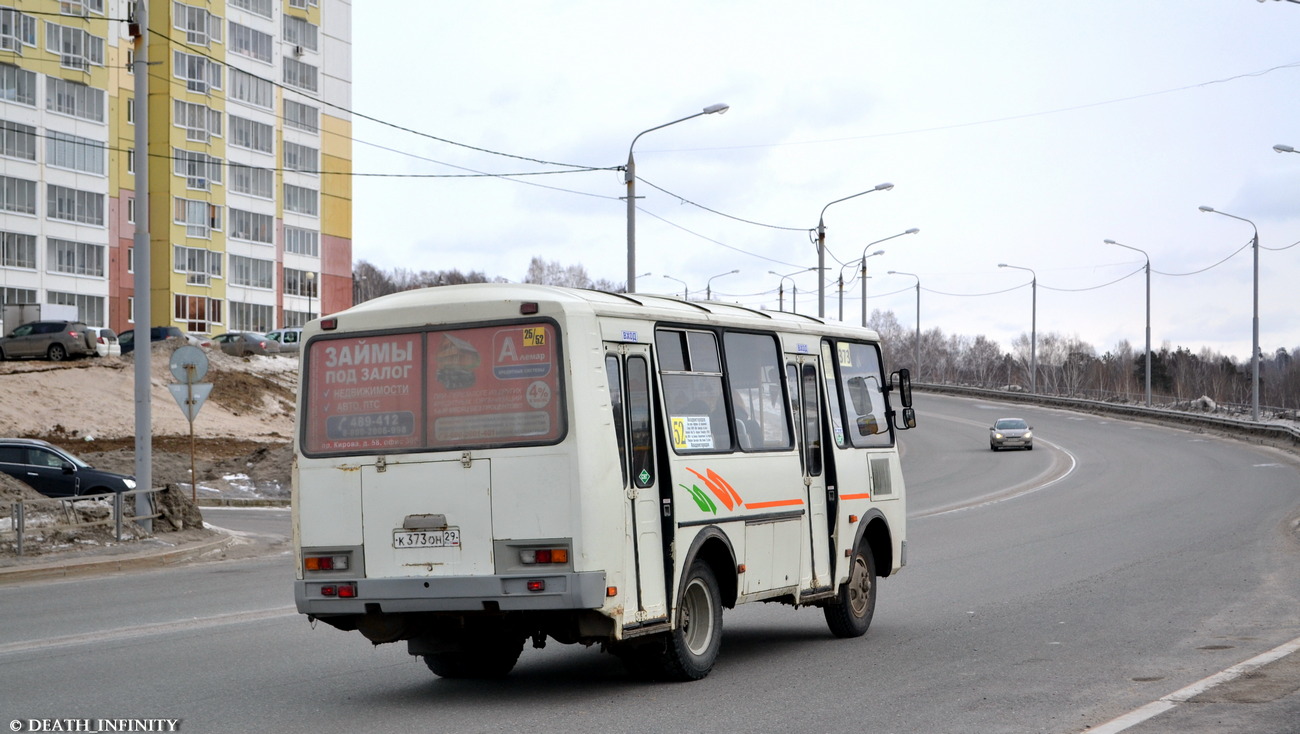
(812, 425)
(833, 394)
(615, 379)
(638, 405)
(861, 378)
(693, 395)
(754, 377)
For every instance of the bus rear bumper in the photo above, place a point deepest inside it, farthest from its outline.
(452, 594)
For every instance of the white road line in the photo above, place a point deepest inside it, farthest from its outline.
(147, 629)
(1182, 695)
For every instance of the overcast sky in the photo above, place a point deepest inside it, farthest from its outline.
(1014, 131)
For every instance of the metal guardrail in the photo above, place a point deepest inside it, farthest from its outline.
(66, 508)
(1271, 433)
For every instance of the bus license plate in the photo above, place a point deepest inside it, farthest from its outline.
(426, 538)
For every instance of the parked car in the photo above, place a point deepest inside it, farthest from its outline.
(244, 343)
(198, 340)
(53, 340)
(1011, 433)
(289, 338)
(54, 472)
(106, 343)
(156, 334)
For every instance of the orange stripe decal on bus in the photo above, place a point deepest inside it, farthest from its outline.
(863, 496)
(725, 485)
(775, 503)
(723, 496)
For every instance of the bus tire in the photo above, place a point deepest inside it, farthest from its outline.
(850, 614)
(487, 657)
(692, 646)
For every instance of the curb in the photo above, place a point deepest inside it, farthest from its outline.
(88, 566)
(241, 502)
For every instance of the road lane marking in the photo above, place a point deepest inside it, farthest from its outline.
(1182, 695)
(143, 630)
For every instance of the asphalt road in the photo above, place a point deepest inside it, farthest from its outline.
(1046, 591)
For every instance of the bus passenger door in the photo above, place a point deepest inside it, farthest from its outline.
(804, 386)
(627, 367)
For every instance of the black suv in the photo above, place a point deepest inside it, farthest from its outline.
(54, 472)
(54, 340)
(156, 334)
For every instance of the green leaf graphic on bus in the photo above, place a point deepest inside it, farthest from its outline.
(701, 498)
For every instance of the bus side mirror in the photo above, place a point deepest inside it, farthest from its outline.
(902, 380)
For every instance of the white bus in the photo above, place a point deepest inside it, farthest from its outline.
(480, 465)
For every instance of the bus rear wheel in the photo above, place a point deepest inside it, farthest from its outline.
(692, 647)
(485, 657)
(850, 614)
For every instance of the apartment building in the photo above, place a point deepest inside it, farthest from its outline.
(249, 160)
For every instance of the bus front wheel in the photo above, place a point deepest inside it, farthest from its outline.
(850, 614)
(692, 647)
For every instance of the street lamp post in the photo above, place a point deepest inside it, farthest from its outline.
(917, 358)
(1148, 269)
(1033, 328)
(686, 294)
(708, 286)
(1285, 148)
(1254, 328)
(630, 177)
(913, 230)
(821, 246)
(864, 275)
(311, 291)
(794, 290)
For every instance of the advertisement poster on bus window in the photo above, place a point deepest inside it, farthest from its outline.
(493, 385)
(364, 394)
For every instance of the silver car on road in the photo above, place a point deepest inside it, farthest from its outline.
(1011, 433)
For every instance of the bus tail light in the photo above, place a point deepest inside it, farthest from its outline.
(537, 585)
(330, 562)
(342, 591)
(543, 555)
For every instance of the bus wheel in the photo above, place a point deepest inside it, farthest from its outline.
(486, 657)
(692, 647)
(850, 614)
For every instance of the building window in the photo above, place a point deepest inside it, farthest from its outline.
(90, 309)
(254, 90)
(301, 158)
(17, 195)
(130, 258)
(300, 75)
(250, 42)
(198, 264)
(301, 200)
(298, 32)
(251, 317)
(199, 72)
(16, 30)
(18, 250)
(301, 116)
(74, 205)
(18, 295)
(245, 225)
(17, 85)
(130, 309)
(81, 7)
(199, 169)
(77, 49)
(200, 26)
(253, 135)
(75, 153)
(199, 217)
(252, 272)
(302, 241)
(71, 98)
(75, 258)
(260, 7)
(296, 283)
(197, 313)
(200, 121)
(17, 140)
(252, 181)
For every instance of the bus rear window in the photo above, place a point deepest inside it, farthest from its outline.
(436, 390)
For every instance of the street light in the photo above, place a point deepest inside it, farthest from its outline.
(1254, 329)
(913, 230)
(918, 319)
(864, 270)
(1285, 149)
(821, 246)
(311, 291)
(1033, 328)
(686, 294)
(1148, 269)
(631, 190)
(708, 287)
(794, 290)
